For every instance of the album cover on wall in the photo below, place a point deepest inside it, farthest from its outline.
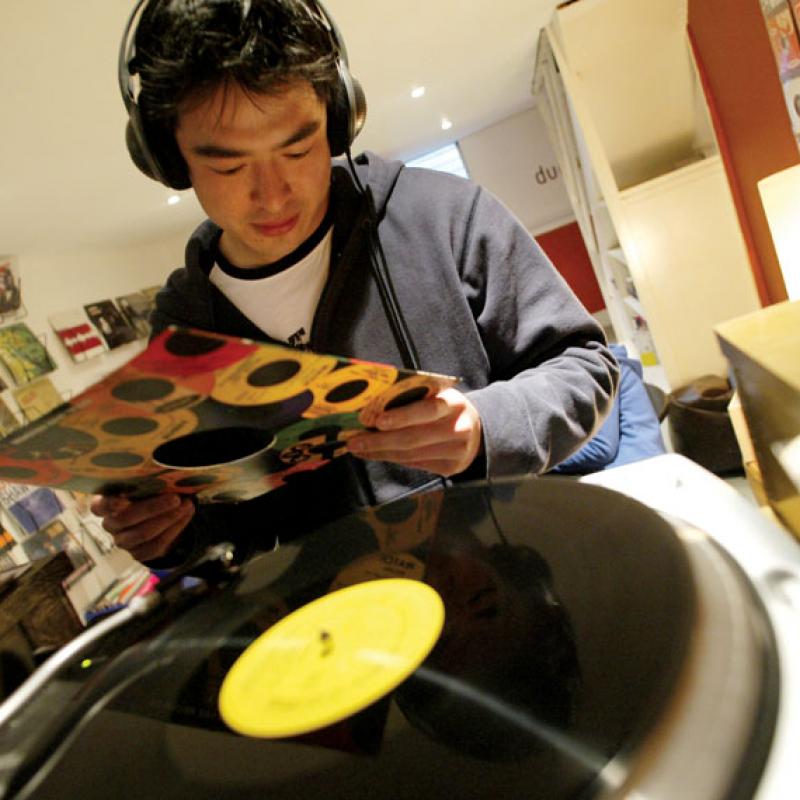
(78, 334)
(36, 508)
(8, 420)
(37, 398)
(7, 545)
(783, 26)
(10, 291)
(55, 538)
(22, 354)
(137, 308)
(219, 417)
(111, 322)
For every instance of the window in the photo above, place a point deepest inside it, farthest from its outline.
(445, 159)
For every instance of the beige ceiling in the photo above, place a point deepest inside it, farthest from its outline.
(66, 180)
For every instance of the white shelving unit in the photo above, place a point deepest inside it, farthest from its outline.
(618, 88)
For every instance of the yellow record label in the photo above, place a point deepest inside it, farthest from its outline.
(407, 390)
(331, 658)
(349, 388)
(268, 376)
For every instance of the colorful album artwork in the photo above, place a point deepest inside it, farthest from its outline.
(783, 37)
(23, 355)
(137, 307)
(218, 417)
(10, 294)
(36, 508)
(78, 334)
(7, 545)
(51, 539)
(8, 420)
(111, 322)
(37, 398)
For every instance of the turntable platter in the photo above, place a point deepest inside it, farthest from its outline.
(570, 612)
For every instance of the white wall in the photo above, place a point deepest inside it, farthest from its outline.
(513, 159)
(54, 282)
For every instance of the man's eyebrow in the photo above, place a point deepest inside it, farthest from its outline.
(217, 151)
(303, 132)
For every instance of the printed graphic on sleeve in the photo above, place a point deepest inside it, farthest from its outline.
(218, 417)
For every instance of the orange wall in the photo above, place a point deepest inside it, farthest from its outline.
(565, 248)
(752, 123)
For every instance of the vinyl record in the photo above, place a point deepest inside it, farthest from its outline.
(135, 430)
(269, 376)
(406, 390)
(43, 473)
(331, 658)
(186, 353)
(405, 524)
(148, 392)
(550, 666)
(113, 464)
(379, 566)
(199, 481)
(314, 439)
(239, 488)
(349, 388)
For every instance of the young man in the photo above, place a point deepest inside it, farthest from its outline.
(246, 101)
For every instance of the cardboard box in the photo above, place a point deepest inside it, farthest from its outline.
(763, 350)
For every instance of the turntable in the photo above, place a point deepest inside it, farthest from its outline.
(539, 638)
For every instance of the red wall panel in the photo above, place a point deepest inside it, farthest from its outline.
(565, 248)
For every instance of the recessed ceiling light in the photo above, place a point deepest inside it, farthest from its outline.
(173, 199)
(417, 91)
(446, 124)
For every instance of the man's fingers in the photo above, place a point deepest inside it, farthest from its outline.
(154, 528)
(444, 435)
(159, 546)
(140, 511)
(419, 413)
(101, 506)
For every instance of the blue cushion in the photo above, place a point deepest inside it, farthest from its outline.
(631, 432)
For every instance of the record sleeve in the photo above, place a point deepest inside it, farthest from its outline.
(222, 418)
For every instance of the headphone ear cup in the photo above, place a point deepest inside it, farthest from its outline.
(168, 167)
(347, 112)
(134, 145)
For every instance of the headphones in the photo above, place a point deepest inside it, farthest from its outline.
(155, 152)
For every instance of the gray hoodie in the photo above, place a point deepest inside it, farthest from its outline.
(481, 301)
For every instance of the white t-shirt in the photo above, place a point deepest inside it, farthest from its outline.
(280, 298)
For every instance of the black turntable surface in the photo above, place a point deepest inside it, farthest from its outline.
(568, 610)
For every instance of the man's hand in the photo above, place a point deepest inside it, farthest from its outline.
(441, 434)
(145, 528)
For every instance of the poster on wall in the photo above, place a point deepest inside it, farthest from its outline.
(34, 509)
(37, 398)
(10, 287)
(78, 335)
(782, 18)
(111, 322)
(56, 538)
(137, 307)
(7, 545)
(8, 420)
(23, 355)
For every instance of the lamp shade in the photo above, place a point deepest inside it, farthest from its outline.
(780, 196)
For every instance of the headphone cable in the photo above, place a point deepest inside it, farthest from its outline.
(383, 279)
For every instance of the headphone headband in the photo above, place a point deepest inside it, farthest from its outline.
(157, 155)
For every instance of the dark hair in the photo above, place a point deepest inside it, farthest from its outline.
(191, 47)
